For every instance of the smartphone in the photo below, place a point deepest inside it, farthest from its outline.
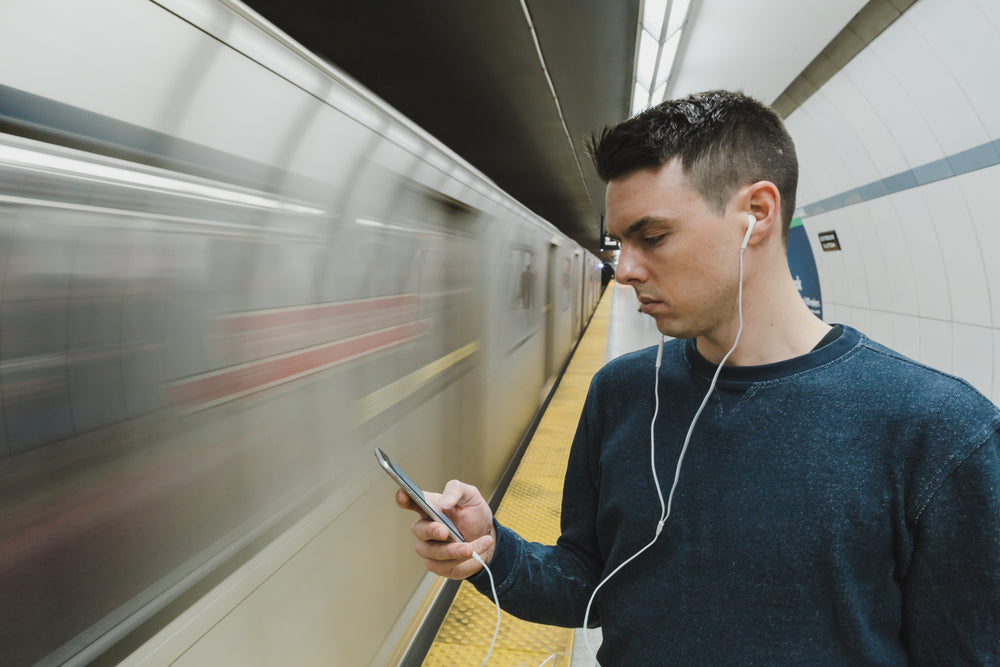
(414, 492)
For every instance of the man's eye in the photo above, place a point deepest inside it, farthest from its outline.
(655, 240)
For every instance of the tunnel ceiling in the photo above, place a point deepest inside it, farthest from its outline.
(469, 74)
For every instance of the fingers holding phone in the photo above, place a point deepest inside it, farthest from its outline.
(467, 508)
(451, 526)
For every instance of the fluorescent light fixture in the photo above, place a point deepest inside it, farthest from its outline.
(667, 55)
(646, 64)
(659, 37)
(653, 12)
(640, 99)
(658, 94)
(678, 12)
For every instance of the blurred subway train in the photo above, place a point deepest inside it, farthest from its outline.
(227, 273)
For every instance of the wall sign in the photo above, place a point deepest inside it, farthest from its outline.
(829, 241)
(802, 264)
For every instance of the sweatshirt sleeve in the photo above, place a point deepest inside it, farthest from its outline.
(552, 584)
(951, 593)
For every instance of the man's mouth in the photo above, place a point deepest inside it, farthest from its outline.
(647, 304)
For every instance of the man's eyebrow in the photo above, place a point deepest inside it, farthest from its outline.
(636, 227)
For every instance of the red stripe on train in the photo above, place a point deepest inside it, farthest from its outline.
(263, 320)
(227, 384)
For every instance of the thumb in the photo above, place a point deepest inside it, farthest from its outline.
(459, 494)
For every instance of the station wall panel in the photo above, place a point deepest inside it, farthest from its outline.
(900, 155)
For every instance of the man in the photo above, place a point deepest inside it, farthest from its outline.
(837, 504)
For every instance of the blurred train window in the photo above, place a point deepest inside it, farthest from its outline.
(523, 279)
(522, 294)
(565, 291)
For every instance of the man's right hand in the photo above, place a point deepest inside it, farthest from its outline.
(468, 510)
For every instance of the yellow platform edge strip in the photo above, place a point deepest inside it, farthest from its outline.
(531, 507)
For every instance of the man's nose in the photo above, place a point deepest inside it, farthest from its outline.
(629, 268)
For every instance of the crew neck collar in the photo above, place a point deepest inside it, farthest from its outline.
(739, 375)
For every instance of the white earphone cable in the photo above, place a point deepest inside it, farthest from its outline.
(496, 600)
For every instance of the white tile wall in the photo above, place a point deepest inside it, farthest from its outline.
(906, 335)
(909, 56)
(996, 365)
(921, 242)
(920, 268)
(899, 114)
(965, 42)
(869, 247)
(834, 313)
(808, 191)
(973, 355)
(903, 296)
(936, 343)
(880, 327)
(990, 11)
(865, 123)
(859, 318)
(960, 250)
(980, 190)
(855, 160)
(817, 156)
(854, 267)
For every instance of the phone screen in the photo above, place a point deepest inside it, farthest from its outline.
(414, 492)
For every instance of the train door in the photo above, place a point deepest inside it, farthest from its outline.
(551, 284)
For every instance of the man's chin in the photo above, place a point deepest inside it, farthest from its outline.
(671, 328)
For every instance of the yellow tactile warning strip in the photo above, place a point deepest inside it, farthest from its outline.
(530, 507)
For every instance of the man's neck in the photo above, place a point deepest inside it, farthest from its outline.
(777, 325)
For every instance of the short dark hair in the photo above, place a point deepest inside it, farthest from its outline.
(724, 140)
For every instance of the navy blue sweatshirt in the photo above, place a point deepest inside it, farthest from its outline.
(839, 508)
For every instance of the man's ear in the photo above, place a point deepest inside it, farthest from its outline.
(763, 201)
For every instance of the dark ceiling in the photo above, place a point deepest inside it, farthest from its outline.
(468, 73)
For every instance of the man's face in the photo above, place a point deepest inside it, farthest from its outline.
(680, 256)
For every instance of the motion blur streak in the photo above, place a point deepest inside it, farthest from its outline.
(227, 272)
(381, 400)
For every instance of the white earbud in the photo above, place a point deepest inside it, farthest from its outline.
(751, 221)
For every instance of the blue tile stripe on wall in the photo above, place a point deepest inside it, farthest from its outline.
(979, 157)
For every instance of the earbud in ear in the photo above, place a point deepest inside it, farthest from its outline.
(751, 221)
